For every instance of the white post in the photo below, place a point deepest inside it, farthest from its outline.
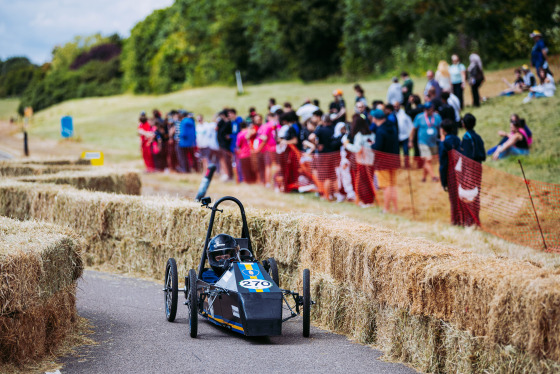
(239, 83)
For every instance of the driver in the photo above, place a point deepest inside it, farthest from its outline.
(222, 249)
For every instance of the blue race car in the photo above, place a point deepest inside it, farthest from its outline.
(236, 291)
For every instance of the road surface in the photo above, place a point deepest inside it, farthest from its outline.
(134, 337)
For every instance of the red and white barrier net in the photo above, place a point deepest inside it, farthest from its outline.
(480, 195)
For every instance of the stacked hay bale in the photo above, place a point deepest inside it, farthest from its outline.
(441, 309)
(103, 180)
(19, 168)
(39, 266)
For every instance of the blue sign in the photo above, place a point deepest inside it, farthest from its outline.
(66, 127)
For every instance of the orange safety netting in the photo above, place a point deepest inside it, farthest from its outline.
(477, 194)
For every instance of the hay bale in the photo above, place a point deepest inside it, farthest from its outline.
(49, 161)
(365, 273)
(39, 266)
(104, 180)
(16, 169)
(37, 260)
(36, 332)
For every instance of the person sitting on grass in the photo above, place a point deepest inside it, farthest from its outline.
(546, 89)
(516, 144)
(515, 87)
(524, 130)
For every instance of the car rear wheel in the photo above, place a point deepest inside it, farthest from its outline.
(171, 290)
(306, 303)
(273, 271)
(192, 302)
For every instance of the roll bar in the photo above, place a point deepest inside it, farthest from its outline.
(244, 231)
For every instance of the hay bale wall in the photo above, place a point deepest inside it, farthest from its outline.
(439, 308)
(103, 180)
(39, 266)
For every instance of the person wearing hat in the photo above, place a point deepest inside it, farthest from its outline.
(338, 107)
(528, 78)
(426, 127)
(539, 53)
(387, 159)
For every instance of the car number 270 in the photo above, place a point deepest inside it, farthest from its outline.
(255, 284)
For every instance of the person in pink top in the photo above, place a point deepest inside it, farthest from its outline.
(244, 147)
(266, 146)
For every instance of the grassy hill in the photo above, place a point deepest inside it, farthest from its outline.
(109, 123)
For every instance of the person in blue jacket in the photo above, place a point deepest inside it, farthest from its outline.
(449, 143)
(449, 180)
(187, 145)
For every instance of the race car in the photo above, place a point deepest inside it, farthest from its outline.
(236, 291)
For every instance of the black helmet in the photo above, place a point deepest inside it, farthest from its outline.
(221, 249)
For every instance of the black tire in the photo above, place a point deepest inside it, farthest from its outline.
(306, 303)
(192, 302)
(273, 271)
(171, 290)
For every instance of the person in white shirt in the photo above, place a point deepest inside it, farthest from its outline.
(405, 127)
(394, 93)
(546, 89)
(362, 139)
(442, 76)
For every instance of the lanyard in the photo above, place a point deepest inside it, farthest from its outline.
(430, 124)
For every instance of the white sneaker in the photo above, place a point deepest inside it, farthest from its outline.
(526, 100)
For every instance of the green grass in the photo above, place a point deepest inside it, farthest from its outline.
(109, 123)
(543, 118)
(8, 108)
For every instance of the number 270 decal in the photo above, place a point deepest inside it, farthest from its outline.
(255, 284)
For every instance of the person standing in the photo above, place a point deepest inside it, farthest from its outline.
(223, 130)
(405, 127)
(387, 159)
(187, 144)
(394, 93)
(539, 53)
(407, 87)
(443, 77)
(362, 139)
(360, 95)
(338, 107)
(476, 77)
(426, 128)
(432, 83)
(244, 142)
(472, 147)
(458, 75)
(449, 143)
(146, 134)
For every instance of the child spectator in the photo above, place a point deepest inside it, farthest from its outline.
(244, 141)
(362, 139)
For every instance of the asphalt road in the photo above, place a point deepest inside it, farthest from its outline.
(134, 337)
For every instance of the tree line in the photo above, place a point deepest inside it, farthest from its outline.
(201, 42)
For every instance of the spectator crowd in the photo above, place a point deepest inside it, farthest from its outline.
(347, 151)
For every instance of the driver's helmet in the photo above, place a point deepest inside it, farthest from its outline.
(221, 249)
